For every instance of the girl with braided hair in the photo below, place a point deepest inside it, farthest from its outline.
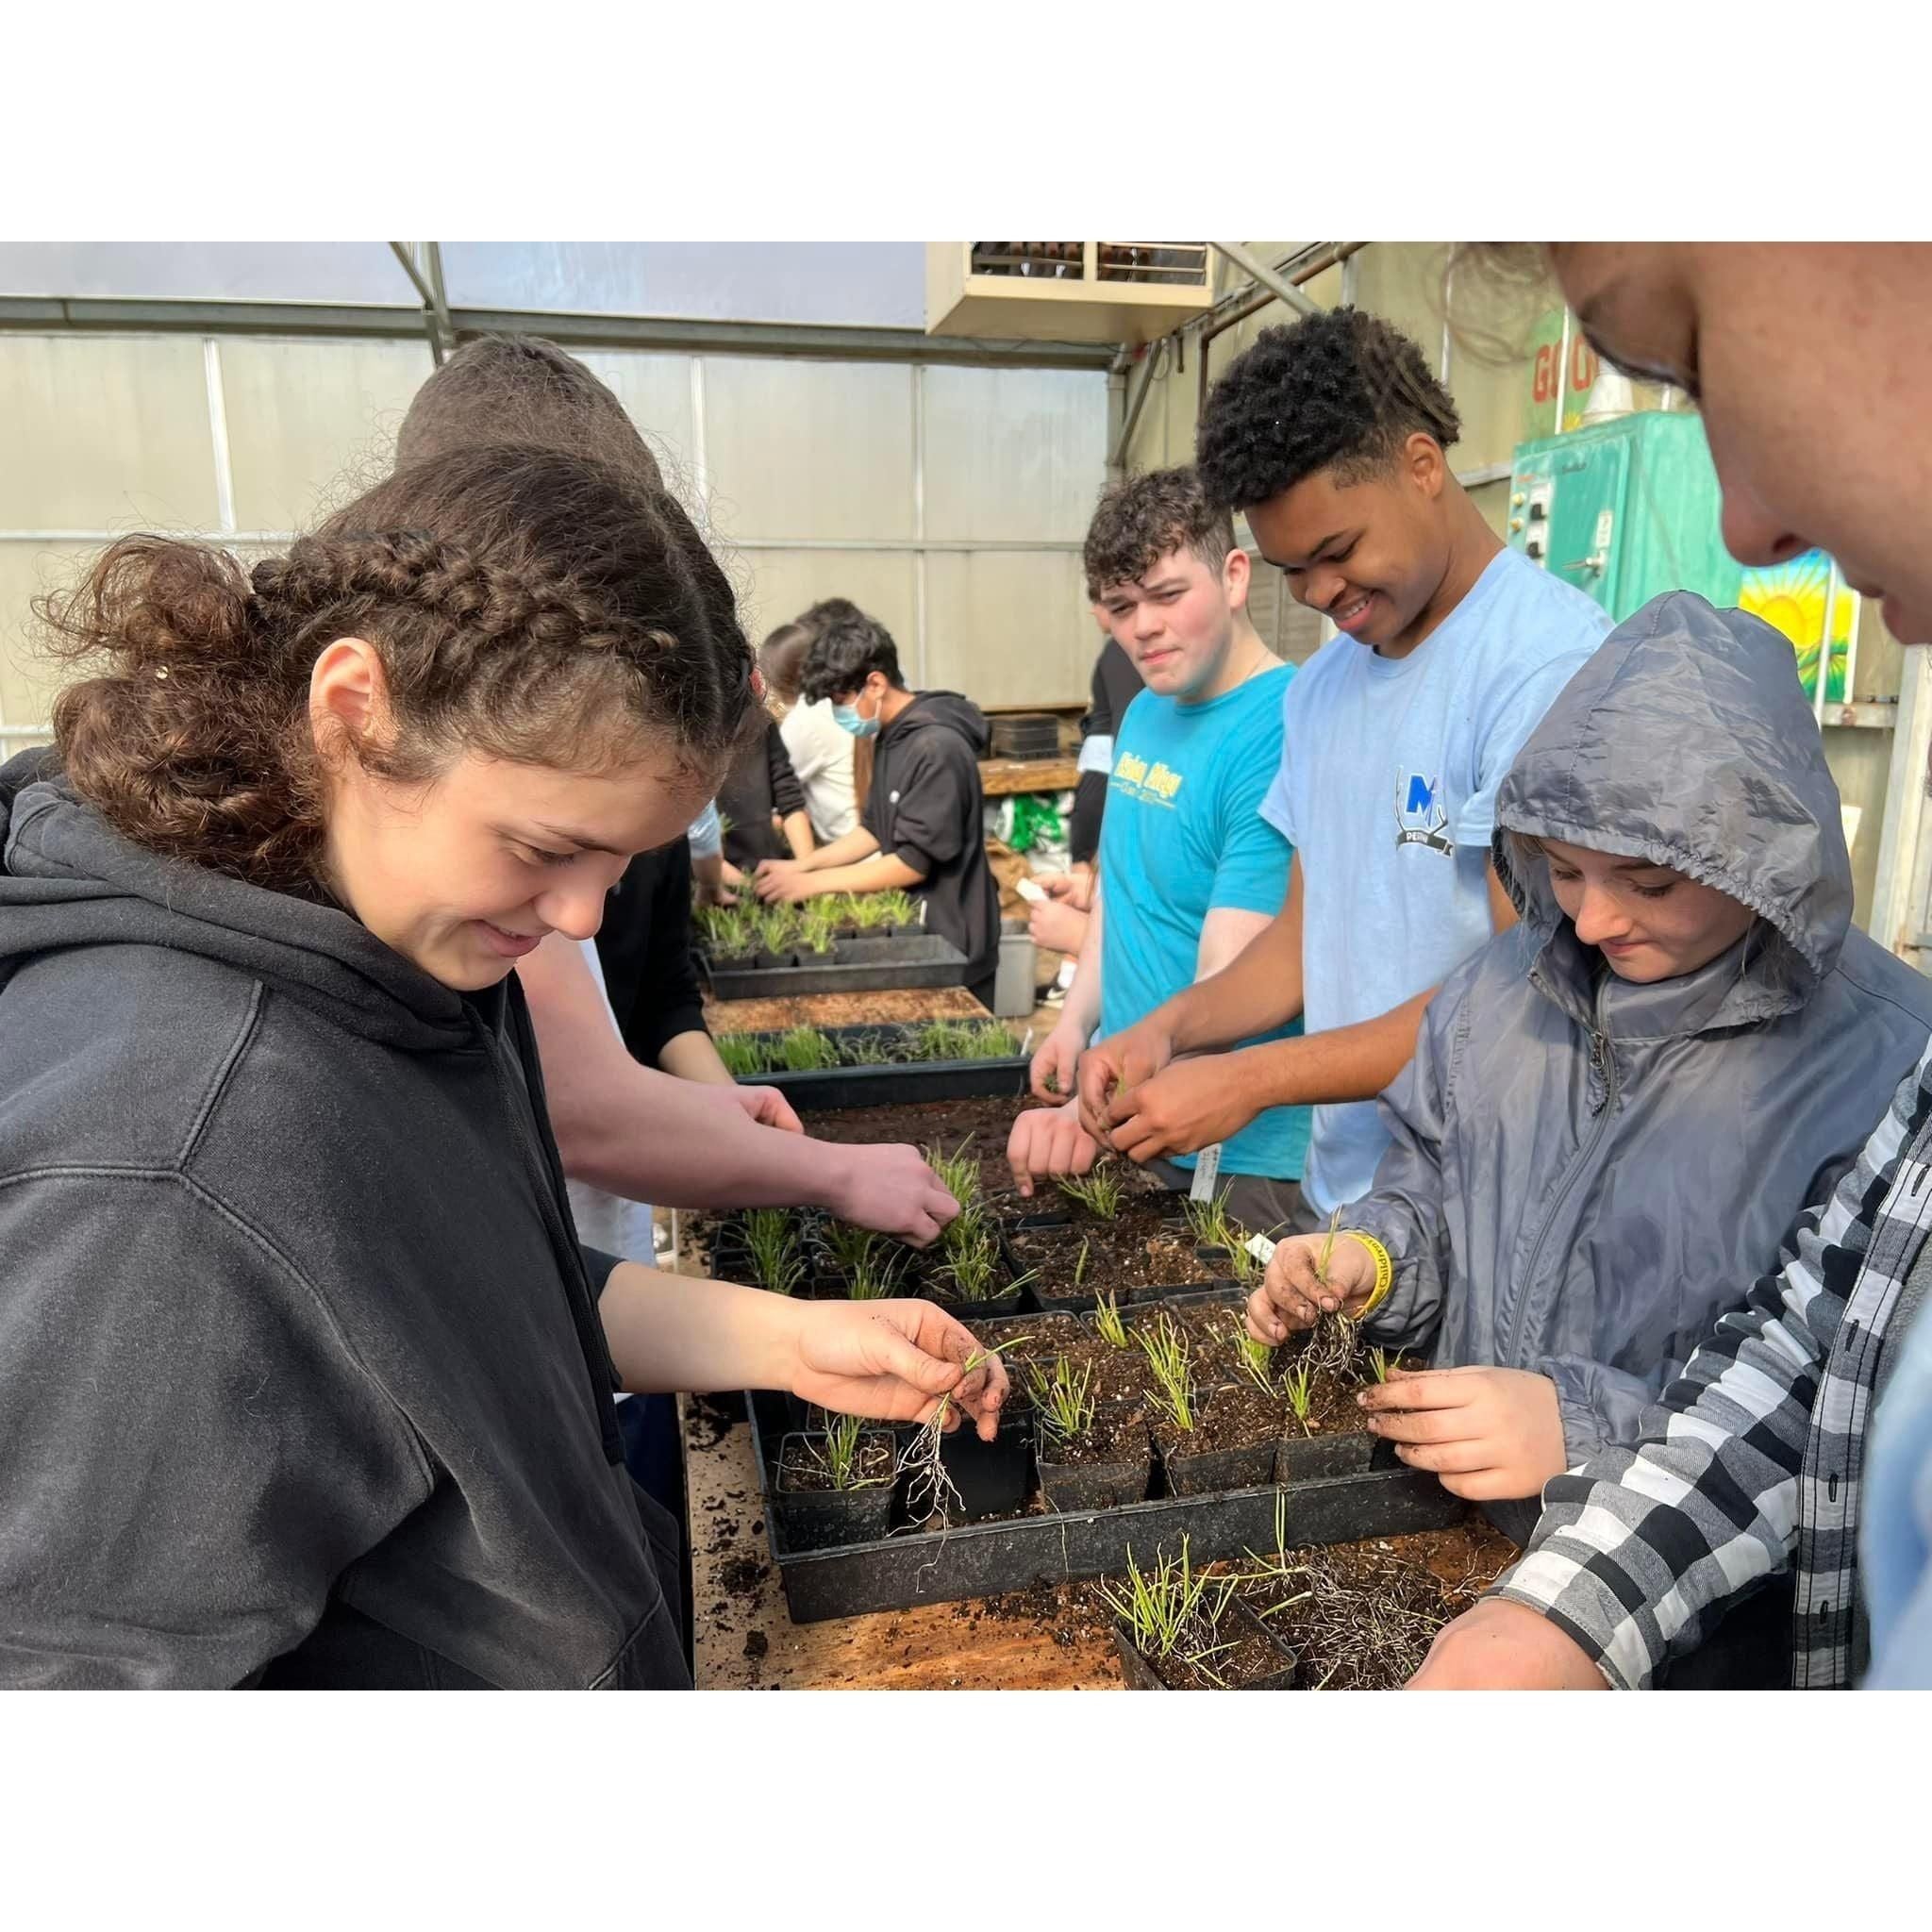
(305, 1379)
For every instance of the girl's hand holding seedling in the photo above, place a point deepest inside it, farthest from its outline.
(1052, 1073)
(1298, 1288)
(1490, 1434)
(1045, 1141)
(897, 1360)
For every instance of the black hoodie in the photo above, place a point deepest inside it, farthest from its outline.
(301, 1376)
(925, 807)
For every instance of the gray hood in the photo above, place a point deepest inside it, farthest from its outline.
(1687, 740)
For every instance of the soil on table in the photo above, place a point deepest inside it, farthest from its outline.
(1372, 1609)
(800, 1473)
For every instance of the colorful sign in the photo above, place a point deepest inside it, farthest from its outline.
(1791, 597)
(1578, 379)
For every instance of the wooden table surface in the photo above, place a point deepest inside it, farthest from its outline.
(843, 1009)
(743, 1639)
(1001, 777)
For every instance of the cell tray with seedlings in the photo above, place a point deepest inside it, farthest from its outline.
(1088, 1467)
(862, 943)
(825, 1069)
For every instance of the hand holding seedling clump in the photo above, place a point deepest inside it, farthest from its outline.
(1310, 1276)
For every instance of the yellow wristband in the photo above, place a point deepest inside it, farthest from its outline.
(1385, 1271)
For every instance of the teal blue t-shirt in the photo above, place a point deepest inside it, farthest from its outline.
(1183, 836)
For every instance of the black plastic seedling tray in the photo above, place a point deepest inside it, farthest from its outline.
(973, 1559)
(906, 961)
(828, 1089)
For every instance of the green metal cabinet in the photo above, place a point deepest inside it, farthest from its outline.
(1624, 511)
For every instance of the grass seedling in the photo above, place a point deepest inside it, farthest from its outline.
(839, 1457)
(729, 931)
(773, 1243)
(846, 1247)
(1255, 1360)
(1170, 1362)
(778, 928)
(1100, 1192)
(1167, 1605)
(1214, 1227)
(1080, 1261)
(818, 920)
(743, 1052)
(962, 1040)
(1063, 1399)
(1380, 1361)
(1107, 1320)
(958, 1173)
(893, 909)
(806, 1049)
(1298, 1385)
(974, 1268)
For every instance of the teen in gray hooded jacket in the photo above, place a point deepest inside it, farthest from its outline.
(1618, 1107)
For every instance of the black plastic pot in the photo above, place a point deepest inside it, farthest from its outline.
(821, 1519)
(1141, 1676)
(1208, 1472)
(1074, 1487)
(992, 1477)
(990, 1310)
(1297, 1457)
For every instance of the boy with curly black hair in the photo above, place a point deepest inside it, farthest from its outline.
(1331, 435)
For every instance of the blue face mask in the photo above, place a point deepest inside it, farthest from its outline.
(848, 718)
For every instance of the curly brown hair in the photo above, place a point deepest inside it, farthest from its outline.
(1137, 523)
(526, 604)
(521, 389)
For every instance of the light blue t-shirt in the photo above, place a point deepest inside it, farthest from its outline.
(1387, 792)
(1183, 836)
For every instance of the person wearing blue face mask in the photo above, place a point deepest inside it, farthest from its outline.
(922, 827)
(1190, 870)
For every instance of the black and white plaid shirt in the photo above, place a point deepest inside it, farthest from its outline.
(1752, 1459)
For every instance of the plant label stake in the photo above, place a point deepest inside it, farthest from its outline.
(1206, 1172)
(1261, 1248)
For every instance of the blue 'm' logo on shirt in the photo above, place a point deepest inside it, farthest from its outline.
(1419, 819)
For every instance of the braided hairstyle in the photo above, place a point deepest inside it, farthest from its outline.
(1340, 391)
(526, 604)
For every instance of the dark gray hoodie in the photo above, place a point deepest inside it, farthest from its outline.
(1587, 1172)
(925, 806)
(301, 1376)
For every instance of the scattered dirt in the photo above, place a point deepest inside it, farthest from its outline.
(757, 1645)
(743, 1577)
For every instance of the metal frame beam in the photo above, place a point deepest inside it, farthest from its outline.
(1258, 272)
(820, 342)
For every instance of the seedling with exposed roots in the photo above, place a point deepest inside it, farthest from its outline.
(773, 1243)
(1100, 1192)
(930, 1490)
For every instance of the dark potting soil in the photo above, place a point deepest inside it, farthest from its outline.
(799, 1473)
(1207, 1325)
(1135, 1251)
(1115, 1434)
(1227, 1419)
(1248, 1657)
(1120, 1374)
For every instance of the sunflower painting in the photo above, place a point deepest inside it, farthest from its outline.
(1790, 597)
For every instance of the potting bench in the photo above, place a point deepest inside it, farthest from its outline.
(743, 1639)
